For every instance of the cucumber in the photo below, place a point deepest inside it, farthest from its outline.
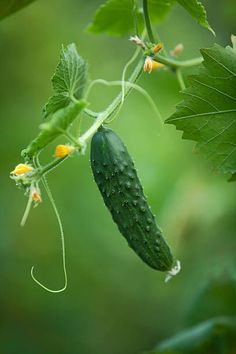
(122, 192)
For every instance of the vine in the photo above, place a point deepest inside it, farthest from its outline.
(71, 95)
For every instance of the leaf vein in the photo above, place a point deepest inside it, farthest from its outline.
(219, 63)
(215, 89)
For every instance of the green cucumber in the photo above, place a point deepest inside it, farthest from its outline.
(122, 192)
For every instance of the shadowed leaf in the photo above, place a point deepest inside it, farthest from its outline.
(200, 338)
(8, 7)
(68, 81)
(208, 113)
(197, 11)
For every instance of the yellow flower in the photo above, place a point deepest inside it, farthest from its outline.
(157, 48)
(63, 150)
(150, 65)
(21, 169)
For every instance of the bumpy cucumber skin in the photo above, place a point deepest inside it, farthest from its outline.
(122, 192)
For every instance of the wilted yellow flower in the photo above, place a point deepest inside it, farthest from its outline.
(157, 48)
(36, 196)
(21, 169)
(138, 41)
(150, 65)
(63, 150)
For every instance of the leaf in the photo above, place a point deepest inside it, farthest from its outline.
(233, 178)
(68, 81)
(197, 11)
(208, 113)
(216, 298)
(158, 9)
(8, 7)
(200, 337)
(115, 17)
(55, 102)
(49, 131)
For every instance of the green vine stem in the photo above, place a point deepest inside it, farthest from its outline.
(169, 62)
(103, 116)
(176, 64)
(147, 21)
(49, 167)
(91, 113)
(135, 11)
(148, 27)
(180, 79)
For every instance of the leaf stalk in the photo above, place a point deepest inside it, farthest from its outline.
(176, 64)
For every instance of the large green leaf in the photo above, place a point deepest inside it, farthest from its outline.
(208, 113)
(159, 8)
(116, 17)
(197, 11)
(8, 7)
(68, 81)
(66, 104)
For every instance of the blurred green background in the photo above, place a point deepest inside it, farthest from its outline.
(114, 303)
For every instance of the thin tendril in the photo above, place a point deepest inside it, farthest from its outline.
(89, 89)
(48, 191)
(27, 209)
(136, 53)
(79, 124)
(132, 59)
(139, 89)
(70, 137)
(123, 90)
